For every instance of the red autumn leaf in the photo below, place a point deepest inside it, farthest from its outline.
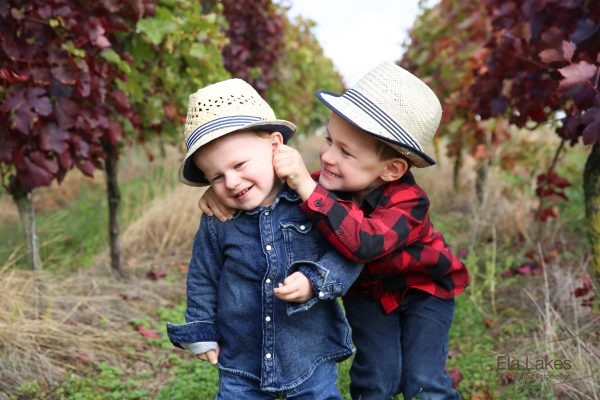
(586, 288)
(147, 333)
(120, 100)
(83, 356)
(64, 73)
(32, 175)
(40, 159)
(102, 42)
(170, 110)
(23, 119)
(65, 160)
(155, 274)
(489, 323)
(40, 75)
(588, 302)
(86, 167)
(576, 74)
(455, 352)
(114, 132)
(455, 376)
(507, 274)
(37, 101)
(10, 76)
(550, 56)
(462, 253)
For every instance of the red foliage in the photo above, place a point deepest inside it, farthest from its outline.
(58, 97)
(147, 333)
(550, 187)
(255, 37)
(543, 57)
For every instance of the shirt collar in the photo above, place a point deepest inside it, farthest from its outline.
(373, 199)
(285, 193)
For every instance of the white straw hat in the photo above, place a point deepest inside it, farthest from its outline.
(221, 108)
(394, 106)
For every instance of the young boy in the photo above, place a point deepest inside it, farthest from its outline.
(265, 348)
(401, 307)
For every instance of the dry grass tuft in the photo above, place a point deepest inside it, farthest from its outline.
(166, 228)
(50, 326)
(567, 331)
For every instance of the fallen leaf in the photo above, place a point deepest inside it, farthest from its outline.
(147, 333)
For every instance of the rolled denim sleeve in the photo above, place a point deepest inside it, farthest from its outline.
(331, 276)
(202, 285)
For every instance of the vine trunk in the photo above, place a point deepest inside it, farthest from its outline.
(114, 201)
(591, 188)
(24, 202)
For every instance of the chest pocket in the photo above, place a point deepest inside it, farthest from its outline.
(302, 241)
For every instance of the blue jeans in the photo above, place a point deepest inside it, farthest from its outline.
(322, 385)
(401, 352)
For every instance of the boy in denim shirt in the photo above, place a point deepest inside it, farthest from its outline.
(264, 347)
(401, 307)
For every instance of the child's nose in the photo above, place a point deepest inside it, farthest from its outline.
(327, 156)
(232, 181)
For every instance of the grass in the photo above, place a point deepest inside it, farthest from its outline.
(72, 235)
(76, 325)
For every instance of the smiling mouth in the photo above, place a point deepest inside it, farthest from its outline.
(243, 192)
(327, 172)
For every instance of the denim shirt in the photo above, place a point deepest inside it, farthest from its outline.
(234, 268)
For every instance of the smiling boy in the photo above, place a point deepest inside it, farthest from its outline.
(268, 341)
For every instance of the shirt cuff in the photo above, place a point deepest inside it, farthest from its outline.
(192, 332)
(199, 347)
(318, 201)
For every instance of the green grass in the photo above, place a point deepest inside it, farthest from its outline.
(72, 236)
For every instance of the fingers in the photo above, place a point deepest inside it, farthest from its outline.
(296, 288)
(210, 205)
(211, 356)
(221, 211)
(205, 207)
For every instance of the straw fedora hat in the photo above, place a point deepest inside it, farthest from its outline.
(221, 108)
(394, 106)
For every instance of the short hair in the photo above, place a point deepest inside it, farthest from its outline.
(386, 152)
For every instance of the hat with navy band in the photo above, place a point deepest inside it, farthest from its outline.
(221, 108)
(394, 106)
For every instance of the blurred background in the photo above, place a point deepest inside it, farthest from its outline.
(96, 230)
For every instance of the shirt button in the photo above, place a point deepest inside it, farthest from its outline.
(321, 295)
(302, 227)
(340, 231)
(267, 213)
(268, 247)
(318, 203)
(268, 319)
(268, 356)
(268, 281)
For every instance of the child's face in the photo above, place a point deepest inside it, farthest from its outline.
(239, 167)
(349, 159)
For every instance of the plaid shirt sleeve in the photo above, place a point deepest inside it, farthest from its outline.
(392, 235)
(363, 238)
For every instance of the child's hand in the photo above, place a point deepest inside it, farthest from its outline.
(295, 288)
(289, 165)
(211, 356)
(212, 206)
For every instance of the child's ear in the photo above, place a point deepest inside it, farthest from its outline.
(276, 139)
(394, 170)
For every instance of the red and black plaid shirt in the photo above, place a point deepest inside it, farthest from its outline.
(392, 235)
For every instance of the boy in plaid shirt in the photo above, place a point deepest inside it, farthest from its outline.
(368, 205)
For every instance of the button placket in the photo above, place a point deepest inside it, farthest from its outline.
(267, 237)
